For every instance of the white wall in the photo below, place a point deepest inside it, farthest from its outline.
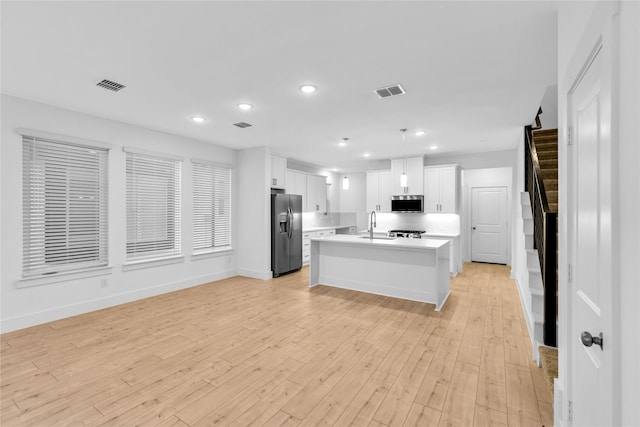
(254, 213)
(483, 160)
(628, 225)
(355, 198)
(22, 307)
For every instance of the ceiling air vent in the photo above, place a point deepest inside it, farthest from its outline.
(242, 124)
(386, 92)
(109, 85)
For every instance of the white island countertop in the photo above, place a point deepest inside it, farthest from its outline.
(399, 242)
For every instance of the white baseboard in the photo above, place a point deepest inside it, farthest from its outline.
(255, 274)
(57, 313)
(528, 316)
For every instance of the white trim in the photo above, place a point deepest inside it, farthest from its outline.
(150, 263)
(49, 315)
(211, 163)
(30, 133)
(254, 274)
(211, 254)
(64, 276)
(152, 153)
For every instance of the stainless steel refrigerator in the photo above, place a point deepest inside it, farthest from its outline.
(286, 233)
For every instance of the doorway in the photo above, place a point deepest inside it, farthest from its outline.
(489, 224)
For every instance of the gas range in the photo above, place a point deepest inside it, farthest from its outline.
(411, 234)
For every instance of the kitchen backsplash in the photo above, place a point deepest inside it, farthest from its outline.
(431, 223)
(313, 219)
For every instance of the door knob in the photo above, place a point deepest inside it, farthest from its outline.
(473, 228)
(588, 340)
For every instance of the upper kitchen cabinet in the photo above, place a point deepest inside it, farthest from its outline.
(441, 189)
(278, 172)
(297, 184)
(379, 191)
(414, 169)
(316, 194)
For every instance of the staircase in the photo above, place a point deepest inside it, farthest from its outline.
(540, 213)
(546, 143)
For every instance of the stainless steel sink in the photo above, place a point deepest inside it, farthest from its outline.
(378, 237)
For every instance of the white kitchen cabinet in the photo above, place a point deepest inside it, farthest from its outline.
(297, 184)
(379, 191)
(441, 189)
(306, 242)
(316, 193)
(278, 172)
(414, 167)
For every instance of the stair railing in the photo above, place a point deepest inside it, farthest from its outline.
(544, 232)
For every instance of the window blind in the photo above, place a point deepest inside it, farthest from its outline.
(153, 206)
(65, 224)
(211, 207)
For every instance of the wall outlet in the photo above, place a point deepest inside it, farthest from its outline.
(104, 283)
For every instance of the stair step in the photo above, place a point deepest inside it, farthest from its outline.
(549, 361)
(549, 154)
(552, 196)
(550, 184)
(545, 132)
(548, 163)
(546, 146)
(550, 173)
(553, 207)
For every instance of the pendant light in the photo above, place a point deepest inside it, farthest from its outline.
(345, 183)
(403, 177)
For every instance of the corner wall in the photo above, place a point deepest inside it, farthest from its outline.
(254, 213)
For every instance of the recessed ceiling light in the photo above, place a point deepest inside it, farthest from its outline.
(343, 143)
(419, 133)
(245, 107)
(367, 154)
(308, 88)
(198, 119)
(433, 147)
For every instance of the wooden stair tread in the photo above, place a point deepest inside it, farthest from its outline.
(547, 155)
(545, 132)
(549, 361)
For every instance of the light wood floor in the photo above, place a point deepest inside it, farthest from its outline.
(249, 352)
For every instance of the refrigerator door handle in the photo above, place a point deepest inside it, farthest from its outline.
(290, 219)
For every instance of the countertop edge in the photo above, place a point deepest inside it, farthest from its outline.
(326, 227)
(384, 243)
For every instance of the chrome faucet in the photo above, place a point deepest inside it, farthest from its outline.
(372, 219)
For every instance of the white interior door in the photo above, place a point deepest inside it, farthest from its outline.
(489, 224)
(590, 240)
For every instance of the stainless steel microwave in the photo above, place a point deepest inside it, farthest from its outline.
(407, 203)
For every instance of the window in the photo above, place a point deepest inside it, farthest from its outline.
(153, 206)
(211, 207)
(65, 224)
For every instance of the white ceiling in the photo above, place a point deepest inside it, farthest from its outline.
(474, 72)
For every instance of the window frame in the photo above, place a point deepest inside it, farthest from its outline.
(57, 238)
(202, 208)
(171, 247)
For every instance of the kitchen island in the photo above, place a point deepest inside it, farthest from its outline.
(413, 269)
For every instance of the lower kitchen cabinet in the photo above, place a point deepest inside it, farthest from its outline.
(306, 242)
